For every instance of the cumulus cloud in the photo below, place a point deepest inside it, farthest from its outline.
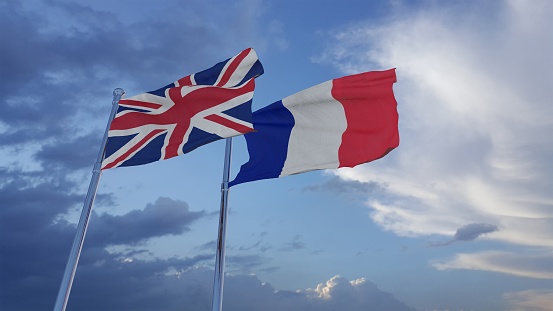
(358, 294)
(336, 293)
(473, 96)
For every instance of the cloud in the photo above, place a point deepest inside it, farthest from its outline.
(247, 293)
(472, 231)
(37, 197)
(530, 265)
(35, 239)
(38, 237)
(260, 245)
(293, 245)
(469, 232)
(122, 280)
(70, 153)
(163, 217)
(247, 264)
(530, 300)
(474, 105)
(340, 294)
(133, 284)
(338, 185)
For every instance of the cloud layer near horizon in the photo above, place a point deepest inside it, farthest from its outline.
(473, 95)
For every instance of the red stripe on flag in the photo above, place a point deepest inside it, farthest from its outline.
(232, 66)
(371, 114)
(136, 146)
(184, 81)
(228, 123)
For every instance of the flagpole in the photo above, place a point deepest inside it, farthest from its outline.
(73, 260)
(219, 279)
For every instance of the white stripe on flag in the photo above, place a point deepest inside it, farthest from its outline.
(320, 121)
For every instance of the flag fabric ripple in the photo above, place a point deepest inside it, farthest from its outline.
(339, 123)
(179, 117)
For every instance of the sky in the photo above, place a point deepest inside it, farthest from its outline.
(458, 217)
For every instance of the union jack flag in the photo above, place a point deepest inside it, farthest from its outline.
(191, 112)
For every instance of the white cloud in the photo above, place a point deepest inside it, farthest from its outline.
(338, 293)
(476, 117)
(539, 266)
(530, 300)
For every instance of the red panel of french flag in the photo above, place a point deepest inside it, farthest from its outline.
(343, 122)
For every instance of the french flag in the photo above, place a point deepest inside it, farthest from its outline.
(339, 123)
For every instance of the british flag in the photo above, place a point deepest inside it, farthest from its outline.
(191, 112)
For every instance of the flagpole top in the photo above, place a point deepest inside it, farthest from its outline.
(118, 92)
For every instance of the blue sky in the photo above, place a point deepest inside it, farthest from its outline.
(458, 217)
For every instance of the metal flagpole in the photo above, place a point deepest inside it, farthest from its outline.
(219, 279)
(73, 260)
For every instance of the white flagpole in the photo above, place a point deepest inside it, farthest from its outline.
(73, 260)
(219, 279)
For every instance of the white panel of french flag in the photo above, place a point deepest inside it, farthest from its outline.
(339, 123)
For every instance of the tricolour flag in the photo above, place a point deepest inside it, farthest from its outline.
(339, 123)
(191, 112)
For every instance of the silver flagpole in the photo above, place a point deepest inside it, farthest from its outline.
(219, 279)
(73, 260)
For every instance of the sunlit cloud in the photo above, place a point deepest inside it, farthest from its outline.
(473, 97)
(538, 266)
(358, 294)
(536, 300)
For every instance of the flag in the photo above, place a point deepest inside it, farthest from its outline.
(339, 123)
(179, 117)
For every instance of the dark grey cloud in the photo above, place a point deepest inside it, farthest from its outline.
(468, 232)
(30, 199)
(70, 153)
(209, 246)
(472, 231)
(163, 217)
(337, 185)
(295, 244)
(33, 104)
(260, 245)
(36, 239)
(49, 76)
